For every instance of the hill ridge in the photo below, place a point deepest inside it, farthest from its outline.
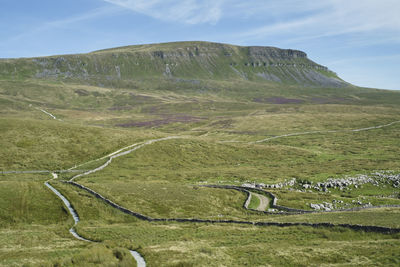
(187, 60)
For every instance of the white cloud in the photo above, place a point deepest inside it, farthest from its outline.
(309, 18)
(186, 11)
(312, 20)
(368, 14)
(274, 9)
(61, 23)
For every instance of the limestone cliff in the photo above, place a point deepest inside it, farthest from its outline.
(181, 60)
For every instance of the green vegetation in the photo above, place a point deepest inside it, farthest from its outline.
(188, 60)
(206, 244)
(53, 145)
(254, 202)
(218, 107)
(302, 200)
(215, 245)
(34, 229)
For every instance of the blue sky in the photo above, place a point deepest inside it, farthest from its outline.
(358, 39)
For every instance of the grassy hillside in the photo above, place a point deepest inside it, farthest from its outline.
(241, 115)
(184, 60)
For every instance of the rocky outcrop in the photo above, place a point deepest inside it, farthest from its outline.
(262, 52)
(376, 179)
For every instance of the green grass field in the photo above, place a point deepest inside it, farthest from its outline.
(217, 117)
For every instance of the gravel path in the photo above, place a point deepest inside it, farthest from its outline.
(264, 201)
(139, 259)
(109, 155)
(117, 154)
(38, 171)
(328, 131)
(70, 209)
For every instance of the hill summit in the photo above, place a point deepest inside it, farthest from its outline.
(179, 60)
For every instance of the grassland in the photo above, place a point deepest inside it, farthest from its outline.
(254, 202)
(173, 244)
(34, 229)
(217, 118)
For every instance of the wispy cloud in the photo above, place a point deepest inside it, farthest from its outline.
(273, 9)
(186, 11)
(330, 18)
(62, 23)
(303, 19)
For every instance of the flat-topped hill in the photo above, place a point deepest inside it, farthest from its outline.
(179, 60)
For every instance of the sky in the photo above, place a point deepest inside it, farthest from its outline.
(358, 39)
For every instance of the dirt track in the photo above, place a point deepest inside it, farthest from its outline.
(264, 201)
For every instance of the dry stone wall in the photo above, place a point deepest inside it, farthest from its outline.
(378, 229)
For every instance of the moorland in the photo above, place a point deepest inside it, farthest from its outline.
(203, 154)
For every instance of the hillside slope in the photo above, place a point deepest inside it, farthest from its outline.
(180, 60)
(148, 126)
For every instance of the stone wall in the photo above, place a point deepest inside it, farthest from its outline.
(377, 229)
(287, 210)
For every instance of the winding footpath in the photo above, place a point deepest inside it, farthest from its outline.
(195, 220)
(38, 171)
(139, 259)
(107, 156)
(313, 132)
(118, 153)
(264, 201)
(70, 209)
(283, 209)
(327, 131)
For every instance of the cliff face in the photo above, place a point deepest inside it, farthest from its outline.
(186, 60)
(275, 53)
